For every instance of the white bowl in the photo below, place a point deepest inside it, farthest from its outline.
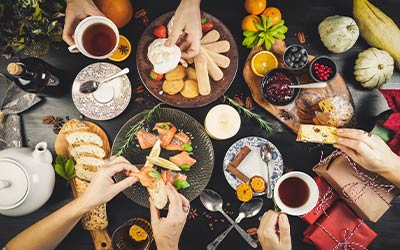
(312, 198)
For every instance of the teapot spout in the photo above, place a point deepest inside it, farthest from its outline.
(42, 154)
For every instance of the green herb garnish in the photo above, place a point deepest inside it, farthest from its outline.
(249, 114)
(165, 126)
(148, 116)
(181, 184)
(64, 167)
(185, 167)
(276, 208)
(266, 34)
(154, 174)
(187, 147)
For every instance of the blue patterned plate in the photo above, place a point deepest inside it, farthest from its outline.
(252, 164)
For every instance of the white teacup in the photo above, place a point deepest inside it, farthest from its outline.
(311, 201)
(80, 31)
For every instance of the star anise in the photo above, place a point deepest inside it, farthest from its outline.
(193, 213)
(123, 49)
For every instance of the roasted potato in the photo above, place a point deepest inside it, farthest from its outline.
(176, 74)
(190, 89)
(191, 74)
(172, 87)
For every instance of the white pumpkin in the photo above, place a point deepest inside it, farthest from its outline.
(338, 33)
(373, 68)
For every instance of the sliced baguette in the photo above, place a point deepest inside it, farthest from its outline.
(74, 137)
(90, 160)
(159, 194)
(85, 172)
(74, 125)
(87, 148)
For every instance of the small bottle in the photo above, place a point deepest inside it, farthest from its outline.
(35, 76)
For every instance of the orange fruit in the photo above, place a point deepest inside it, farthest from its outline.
(255, 7)
(123, 50)
(244, 192)
(119, 11)
(262, 62)
(137, 233)
(274, 13)
(248, 23)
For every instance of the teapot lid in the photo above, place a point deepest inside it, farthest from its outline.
(14, 184)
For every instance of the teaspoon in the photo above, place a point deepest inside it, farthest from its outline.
(91, 86)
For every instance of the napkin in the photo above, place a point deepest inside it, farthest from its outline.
(14, 102)
(392, 97)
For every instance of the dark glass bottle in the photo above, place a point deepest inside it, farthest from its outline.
(35, 76)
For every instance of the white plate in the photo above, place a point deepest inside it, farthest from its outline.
(97, 105)
(253, 164)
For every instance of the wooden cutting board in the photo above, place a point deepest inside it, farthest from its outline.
(101, 238)
(302, 110)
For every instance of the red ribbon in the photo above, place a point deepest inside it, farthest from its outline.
(346, 243)
(322, 203)
(365, 181)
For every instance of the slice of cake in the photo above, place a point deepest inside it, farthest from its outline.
(317, 134)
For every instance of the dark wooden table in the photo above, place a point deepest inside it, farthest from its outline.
(301, 15)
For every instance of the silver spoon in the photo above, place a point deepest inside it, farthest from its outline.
(91, 86)
(246, 210)
(266, 156)
(309, 85)
(213, 202)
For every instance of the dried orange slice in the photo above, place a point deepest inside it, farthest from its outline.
(244, 192)
(262, 62)
(123, 50)
(137, 233)
(257, 183)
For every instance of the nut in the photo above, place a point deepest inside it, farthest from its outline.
(301, 37)
(238, 100)
(142, 16)
(140, 100)
(249, 103)
(48, 119)
(252, 231)
(138, 90)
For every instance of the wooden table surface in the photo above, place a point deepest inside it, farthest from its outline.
(301, 15)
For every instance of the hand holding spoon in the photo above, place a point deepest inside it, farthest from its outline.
(246, 210)
(91, 86)
(213, 202)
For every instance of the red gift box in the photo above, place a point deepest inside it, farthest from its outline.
(327, 196)
(341, 229)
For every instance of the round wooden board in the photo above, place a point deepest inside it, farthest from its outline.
(61, 144)
(144, 66)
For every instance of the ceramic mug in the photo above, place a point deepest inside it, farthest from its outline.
(87, 24)
(309, 203)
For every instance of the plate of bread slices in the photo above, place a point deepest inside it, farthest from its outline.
(88, 144)
(191, 82)
(174, 148)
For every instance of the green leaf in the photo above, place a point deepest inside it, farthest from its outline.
(279, 36)
(185, 167)
(262, 34)
(154, 174)
(269, 22)
(271, 40)
(248, 33)
(248, 41)
(69, 169)
(187, 147)
(60, 171)
(264, 21)
(260, 41)
(254, 42)
(165, 126)
(259, 26)
(268, 44)
(181, 184)
(60, 160)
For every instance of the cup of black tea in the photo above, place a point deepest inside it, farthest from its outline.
(96, 37)
(296, 193)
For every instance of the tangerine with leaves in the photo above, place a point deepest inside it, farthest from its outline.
(274, 13)
(249, 21)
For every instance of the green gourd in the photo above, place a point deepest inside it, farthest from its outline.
(373, 68)
(338, 33)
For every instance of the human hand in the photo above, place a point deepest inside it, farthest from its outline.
(188, 20)
(75, 12)
(367, 150)
(167, 230)
(274, 231)
(102, 187)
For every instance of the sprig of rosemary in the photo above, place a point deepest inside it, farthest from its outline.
(149, 115)
(249, 114)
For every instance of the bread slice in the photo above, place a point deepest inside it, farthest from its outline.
(73, 125)
(90, 160)
(158, 193)
(87, 148)
(85, 172)
(96, 219)
(78, 136)
(317, 133)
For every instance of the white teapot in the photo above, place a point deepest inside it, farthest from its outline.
(26, 179)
